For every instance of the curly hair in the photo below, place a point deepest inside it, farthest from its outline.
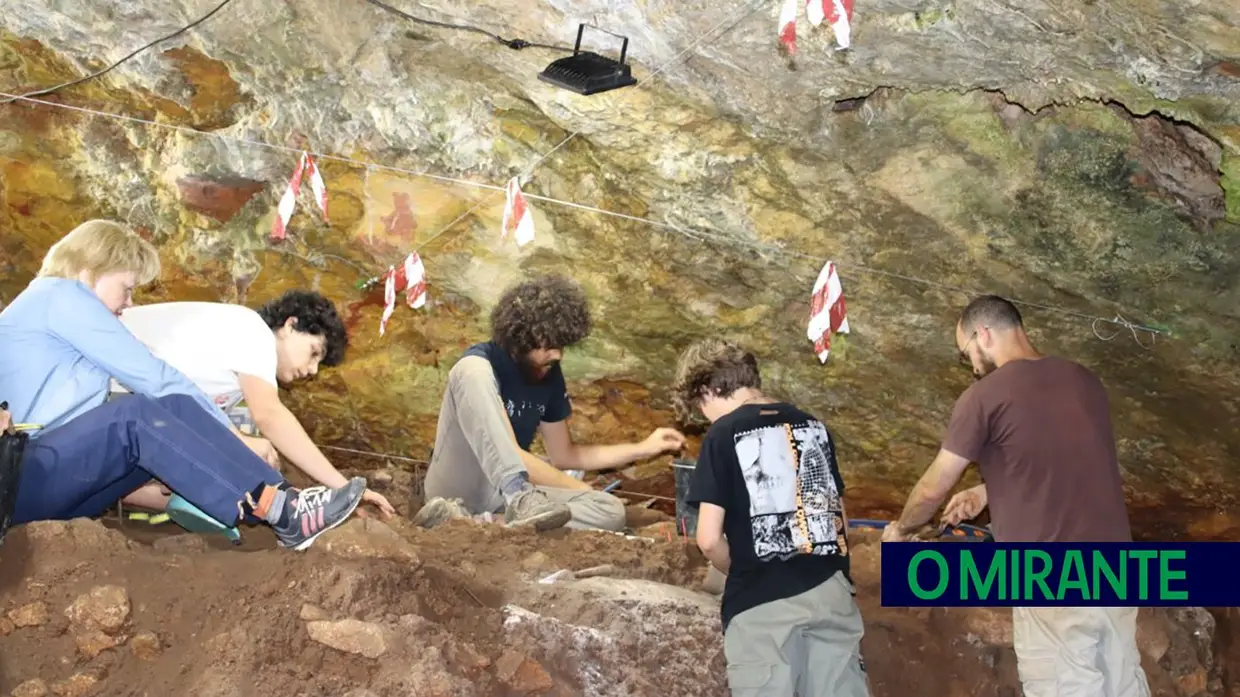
(711, 365)
(315, 315)
(550, 312)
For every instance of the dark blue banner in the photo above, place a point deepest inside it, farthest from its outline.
(1138, 574)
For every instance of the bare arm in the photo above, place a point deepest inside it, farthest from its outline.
(541, 473)
(931, 490)
(477, 379)
(286, 433)
(565, 454)
(710, 537)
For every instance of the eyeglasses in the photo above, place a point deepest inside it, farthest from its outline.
(964, 352)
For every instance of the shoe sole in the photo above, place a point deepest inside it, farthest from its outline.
(310, 540)
(551, 520)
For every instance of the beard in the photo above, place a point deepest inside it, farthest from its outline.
(988, 366)
(533, 374)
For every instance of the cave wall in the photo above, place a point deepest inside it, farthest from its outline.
(1084, 157)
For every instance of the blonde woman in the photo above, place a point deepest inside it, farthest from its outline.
(61, 344)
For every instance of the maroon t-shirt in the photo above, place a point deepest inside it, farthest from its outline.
(1041, 432)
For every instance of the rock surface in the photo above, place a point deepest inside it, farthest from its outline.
(350, 636)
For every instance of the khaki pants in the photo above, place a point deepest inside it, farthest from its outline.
(810, 643)
(1078, 652)
(474, 454)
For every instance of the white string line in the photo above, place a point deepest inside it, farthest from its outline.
(699, 234)
(741, 13)
(372, 453)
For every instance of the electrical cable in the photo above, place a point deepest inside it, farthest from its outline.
(112, 67)
(515, 44)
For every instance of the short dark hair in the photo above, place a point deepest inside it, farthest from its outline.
(992, 311)
(712, 365)
(550, 312)
(315, 315)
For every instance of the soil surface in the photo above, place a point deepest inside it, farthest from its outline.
(381, 608)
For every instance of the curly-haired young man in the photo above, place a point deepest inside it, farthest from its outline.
(62, 343)
(771, 516)
(235, 354)
(503, 392)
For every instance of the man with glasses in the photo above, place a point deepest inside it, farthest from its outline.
(1040, 429)
(503, 392)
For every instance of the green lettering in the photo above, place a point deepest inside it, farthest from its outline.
(912, 574)
(1073, 563)
(1038, 577)
(1143, 575)
(1166, 574)
(1119, 584)
(969, 575)
(1015, 585)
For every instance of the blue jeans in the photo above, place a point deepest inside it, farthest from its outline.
(82, 468)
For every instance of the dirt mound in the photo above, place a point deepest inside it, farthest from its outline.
(374, 610)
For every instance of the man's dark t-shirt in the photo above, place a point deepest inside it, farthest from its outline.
(527, 404)
(1041, 432)
(772, 468)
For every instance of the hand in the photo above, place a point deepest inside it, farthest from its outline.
(663, 440)
(264, 449)
(892, 533)
(965, 505)
(6, 420)
(377, 500)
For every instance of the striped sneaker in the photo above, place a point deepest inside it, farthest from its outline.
(317, 509)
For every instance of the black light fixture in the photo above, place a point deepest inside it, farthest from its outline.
(586, 72)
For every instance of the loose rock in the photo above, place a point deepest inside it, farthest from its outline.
(146, 646)
(536, 562)
(6, 627)
(368, 538)
(312, 613)
(77, 686)
(105, 608)
(31, 688)
(93, 642)
(522, 674)
(350, 636)
(32, 615)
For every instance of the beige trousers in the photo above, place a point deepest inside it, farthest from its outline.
(1078, 652)
(808, 645)
(474, 455)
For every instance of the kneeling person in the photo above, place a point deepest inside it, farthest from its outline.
(500, 394)
(771, 517)
(235, 354)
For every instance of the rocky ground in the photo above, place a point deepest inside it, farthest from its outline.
(383, 608)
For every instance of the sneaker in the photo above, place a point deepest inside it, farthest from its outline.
(438, 510)
(533, 507)
(317, 509)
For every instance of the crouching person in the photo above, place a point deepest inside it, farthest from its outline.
(771, 516)
(235, 354)
(61, 344)
(500, 395)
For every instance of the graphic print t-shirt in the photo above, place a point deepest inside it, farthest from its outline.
(772, 468)
(211, 343)
(527, 404)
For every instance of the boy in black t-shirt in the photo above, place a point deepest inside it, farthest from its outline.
(771, 517)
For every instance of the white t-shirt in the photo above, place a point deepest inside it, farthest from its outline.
(211, 343)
